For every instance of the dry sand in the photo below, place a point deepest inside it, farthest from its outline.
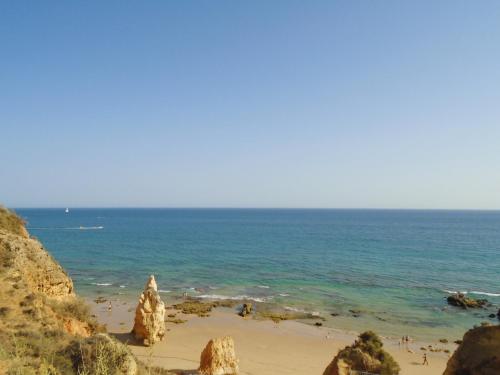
(263, 347)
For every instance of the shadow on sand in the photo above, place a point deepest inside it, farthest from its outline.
(128, 338)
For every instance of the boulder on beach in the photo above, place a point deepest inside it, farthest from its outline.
(246, 309)
(460, 300)
(219, 358)
(366, 354)
(478, 354)
(149, 322)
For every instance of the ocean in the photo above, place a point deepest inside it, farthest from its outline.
(392, 269)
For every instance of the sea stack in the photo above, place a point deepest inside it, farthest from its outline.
(149, 322)
(219, 358)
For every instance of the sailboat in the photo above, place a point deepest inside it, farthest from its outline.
(67, 210)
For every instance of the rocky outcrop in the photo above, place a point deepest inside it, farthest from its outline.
(460, 300)
(246, 309)
(478, 354)
(149, 322)
(219, 358)
(366, 354)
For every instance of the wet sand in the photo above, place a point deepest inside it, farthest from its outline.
(263, 347)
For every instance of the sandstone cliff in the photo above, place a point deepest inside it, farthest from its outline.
(44, 327)
(478, 354)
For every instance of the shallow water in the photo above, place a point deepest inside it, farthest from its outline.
(395, 266)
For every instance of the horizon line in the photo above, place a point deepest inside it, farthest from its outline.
(254, 208)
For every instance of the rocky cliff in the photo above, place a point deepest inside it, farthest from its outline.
(44, 327)
(478, 354)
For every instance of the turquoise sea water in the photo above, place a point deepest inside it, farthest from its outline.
(395, 266)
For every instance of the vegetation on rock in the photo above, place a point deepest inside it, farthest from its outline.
(366, 354)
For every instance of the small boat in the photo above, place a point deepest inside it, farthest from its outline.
(66, 210)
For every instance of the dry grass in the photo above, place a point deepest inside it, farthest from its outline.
(10, 222)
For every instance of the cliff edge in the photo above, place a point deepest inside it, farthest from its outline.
(478, 354)
(44, 327)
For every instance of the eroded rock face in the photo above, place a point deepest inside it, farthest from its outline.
(30, 262)
(478, 354)
(219, 358)
(460, 300)
(366, 354)
(149, 322)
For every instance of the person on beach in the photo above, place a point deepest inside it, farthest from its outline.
(109, 306)
(426, 362)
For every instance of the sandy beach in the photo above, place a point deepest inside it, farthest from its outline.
(263, 347)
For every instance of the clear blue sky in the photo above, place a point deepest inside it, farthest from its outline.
(391, 104)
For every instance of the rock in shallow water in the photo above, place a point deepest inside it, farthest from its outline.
(460, 300)
(149, 322)
(246, 309)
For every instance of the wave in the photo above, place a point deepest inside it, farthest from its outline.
(486, 293)
(242, 297)
(123, 286)
(163, 291)
(284, 295)
(69, 228)
(295, 309)
(263, 286)
(473, 292)
(102, 284)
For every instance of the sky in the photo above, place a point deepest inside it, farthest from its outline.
(321, 104)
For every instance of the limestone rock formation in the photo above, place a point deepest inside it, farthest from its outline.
(366, 354)
(246, 309)
(149, 323)
(30, 262)
(478, 354)
(219, 358)
(460, 300)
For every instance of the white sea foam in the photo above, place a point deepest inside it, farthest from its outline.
(102, 284)
(302, 311)
(473, 292)
(163, 291)
(242, 297)
(123, 286)
(284, 294)
(486, 293)
(289, 308)
(263, 287)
